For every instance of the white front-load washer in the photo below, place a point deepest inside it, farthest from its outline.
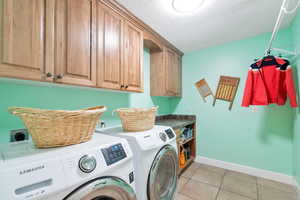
(101, 169)
(155, 161)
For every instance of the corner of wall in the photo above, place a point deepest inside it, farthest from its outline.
(295, 29)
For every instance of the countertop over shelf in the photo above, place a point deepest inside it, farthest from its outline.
(175, 121)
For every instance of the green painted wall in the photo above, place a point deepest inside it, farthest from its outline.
(51, 96)
(260, 138)
(296, 142)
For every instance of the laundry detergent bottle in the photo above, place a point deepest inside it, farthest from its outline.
(182, 159)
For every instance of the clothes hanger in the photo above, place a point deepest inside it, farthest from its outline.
(272, 57)
(268, 55)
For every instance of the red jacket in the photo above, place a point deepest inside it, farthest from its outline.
(270, 81)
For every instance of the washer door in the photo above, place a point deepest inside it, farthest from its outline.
(110, 188)
(162, 179)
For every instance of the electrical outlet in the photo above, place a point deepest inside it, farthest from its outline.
(18, 135)
(101, 124)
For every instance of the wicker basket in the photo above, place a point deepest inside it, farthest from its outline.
(137, 119)
(53, 128)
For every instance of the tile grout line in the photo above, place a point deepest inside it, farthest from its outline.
(220, 187)
(257, 189)
(210, 171)
(189, 179)
(209, 184)
(233, 192)
(222, 182)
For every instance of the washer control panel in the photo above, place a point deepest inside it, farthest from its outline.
(113, 154)
(170, 133)
(163, 136)
(87, 163)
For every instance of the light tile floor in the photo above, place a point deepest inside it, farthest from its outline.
(203, 182)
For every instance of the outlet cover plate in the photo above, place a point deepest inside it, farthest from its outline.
(13, 134)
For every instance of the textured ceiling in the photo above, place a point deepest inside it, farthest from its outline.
(216, 22)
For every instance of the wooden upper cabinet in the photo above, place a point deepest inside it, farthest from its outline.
(165, 73)
(133, 58)
(119, 51)
(157, 74)
(178, 71)
(23, 35)
(173, 73)
(74, 60)
(170, 76)
(95, 43)
(109, 35)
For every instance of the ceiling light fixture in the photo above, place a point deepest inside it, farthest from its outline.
(186, 6)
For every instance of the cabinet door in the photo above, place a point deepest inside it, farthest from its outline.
(133, 59)
(170, 72)
(178, 75)
(23, 27)
(109, 48)
(158, 74)
(74, 43)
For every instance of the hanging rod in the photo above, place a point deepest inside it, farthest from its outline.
(284, 51)
(293, 10)
(276, 28)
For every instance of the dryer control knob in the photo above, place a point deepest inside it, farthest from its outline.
(87, 163)
(163, 136)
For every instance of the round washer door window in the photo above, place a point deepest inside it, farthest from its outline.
(162, 179)
(103, 189)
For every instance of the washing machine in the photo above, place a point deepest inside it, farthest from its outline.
(101, 169)
(155, 161)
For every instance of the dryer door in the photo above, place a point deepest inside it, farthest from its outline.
(110, 188)
(162, 179)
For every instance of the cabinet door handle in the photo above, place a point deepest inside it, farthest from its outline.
(59, 76)
(48, 75)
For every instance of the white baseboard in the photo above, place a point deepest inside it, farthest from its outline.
(279, 177)
(298, 188)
